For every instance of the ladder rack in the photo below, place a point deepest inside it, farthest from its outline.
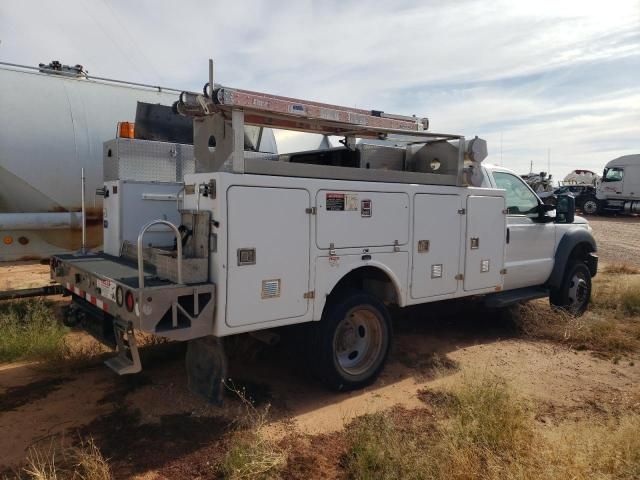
(267, 110)
(221, 113)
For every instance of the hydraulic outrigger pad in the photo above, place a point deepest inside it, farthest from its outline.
(206, 365)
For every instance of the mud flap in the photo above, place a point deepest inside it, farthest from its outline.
(206, 365)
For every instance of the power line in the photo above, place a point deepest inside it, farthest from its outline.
(108, 35)
(122, 25)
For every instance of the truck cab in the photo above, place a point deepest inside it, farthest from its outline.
(619, 190)
(533, 233)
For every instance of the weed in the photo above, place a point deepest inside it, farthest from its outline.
(29, 330)
(81, 462)
(251, 454)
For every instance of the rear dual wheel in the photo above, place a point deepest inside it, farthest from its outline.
(351, 342)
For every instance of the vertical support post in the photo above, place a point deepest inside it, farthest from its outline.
(83, 248)
(237, 128)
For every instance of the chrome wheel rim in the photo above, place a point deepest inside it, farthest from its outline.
(590, 207)
(357, 343)
(578, 290)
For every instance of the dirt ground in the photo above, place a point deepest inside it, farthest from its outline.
(618, 239)
(151, 426)
(28, 274)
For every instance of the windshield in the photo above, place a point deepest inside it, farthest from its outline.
(613, 174)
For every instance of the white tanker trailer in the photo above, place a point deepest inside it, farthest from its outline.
(53, 122)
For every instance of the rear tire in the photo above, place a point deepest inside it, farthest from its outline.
(574, 293)
(351, 342)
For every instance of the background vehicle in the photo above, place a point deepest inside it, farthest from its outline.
(619, 191)
(585, 196)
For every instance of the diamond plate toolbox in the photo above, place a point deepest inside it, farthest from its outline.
(133, 159)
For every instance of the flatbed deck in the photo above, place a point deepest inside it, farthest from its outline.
(120, 269)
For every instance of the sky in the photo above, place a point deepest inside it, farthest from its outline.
(539, 80)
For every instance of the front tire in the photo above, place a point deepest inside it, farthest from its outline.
(590, 206)
(352, 341)
(575, 291)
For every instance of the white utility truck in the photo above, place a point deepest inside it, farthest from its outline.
(327, 238)
(619, 189)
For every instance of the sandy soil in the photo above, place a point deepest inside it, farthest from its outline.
(29, 274)
(151, 426)
(618, 238)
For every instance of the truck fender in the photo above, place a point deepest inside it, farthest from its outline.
(569, 241)
(320, 301)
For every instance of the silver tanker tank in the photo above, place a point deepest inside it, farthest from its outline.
(53, 122)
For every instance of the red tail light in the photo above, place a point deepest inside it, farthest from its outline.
(130, 301)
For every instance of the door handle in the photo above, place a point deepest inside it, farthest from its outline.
(508, 235)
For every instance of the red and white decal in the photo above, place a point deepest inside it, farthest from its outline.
(90, 298)
(97, 302)
(75, 290)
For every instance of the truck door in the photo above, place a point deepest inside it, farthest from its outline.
(530, 244)
(485, 239)
(436, 247)
(267, 255)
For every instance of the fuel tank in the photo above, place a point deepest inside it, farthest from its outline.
(53, 122)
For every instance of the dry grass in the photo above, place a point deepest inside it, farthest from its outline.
(82, 462)
(608, 449)
(251, 454)
(611, 325)
(380, 446)
(620, 269)
(484, 431)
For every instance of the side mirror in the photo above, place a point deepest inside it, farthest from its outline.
(565, 209)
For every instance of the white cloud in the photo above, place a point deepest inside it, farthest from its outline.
(505, 68)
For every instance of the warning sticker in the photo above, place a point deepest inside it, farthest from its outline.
(340, 202)
(107, 288)
(351, 201)
(335, 202)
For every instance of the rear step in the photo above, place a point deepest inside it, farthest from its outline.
(509, 297)
(127, 361)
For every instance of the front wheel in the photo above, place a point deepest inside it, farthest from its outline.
(590, 206)
(575, 291)
(352, 341)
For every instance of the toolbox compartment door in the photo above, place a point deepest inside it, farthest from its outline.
(436, 247)
(484, 243)
(268, 254)
(349, 219)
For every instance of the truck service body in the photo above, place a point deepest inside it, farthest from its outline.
(265, 241)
